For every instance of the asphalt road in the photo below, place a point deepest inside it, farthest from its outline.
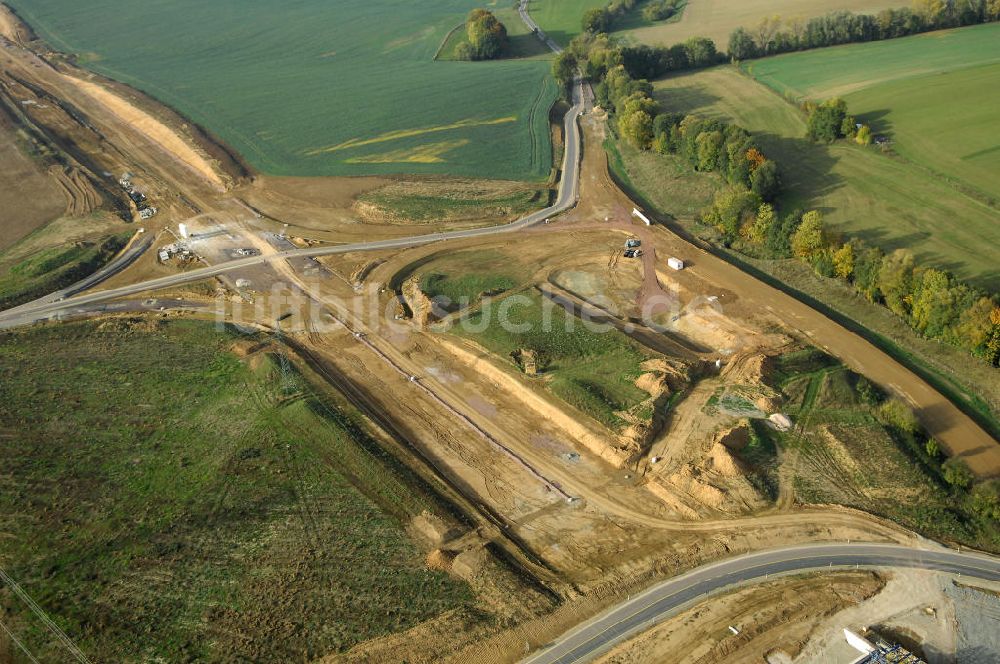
(569, 191)
(658, 603)
(125, 258)
(522, 9)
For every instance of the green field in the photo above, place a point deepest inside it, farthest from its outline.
(562, 19)
(934, 95)
(847, 456)
(886, 201)
(316, 87)
(165, 501)
(464, 288)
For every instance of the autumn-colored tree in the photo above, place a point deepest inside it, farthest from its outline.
(755, 157)
(810, 236)
(487, 35)
(731, 208)
(895, 281)
(765, 30)
(709, 143)
(755, 230)
(933, 308)
(991, 352)
(931, 10)
(843, 261)
(975, 325)
(661, 142)
(635, 120)
(864, 135)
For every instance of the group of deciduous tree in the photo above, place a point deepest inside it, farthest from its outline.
(771, 35)
(712, 145)
(831, 120)
(487, 37)
(661, 10)
(596, 54)
(600, 19)
(934, 303)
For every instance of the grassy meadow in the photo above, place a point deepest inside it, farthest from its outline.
(320, 88)
(164, 500)
(935, 95)
(890, 202)
(562, 19)
(844, 454)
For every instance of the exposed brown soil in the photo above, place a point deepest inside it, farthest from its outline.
(28, 197)
(13, 28)
(152, 129)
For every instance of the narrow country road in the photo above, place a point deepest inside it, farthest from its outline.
(522, 9)
(663, 600)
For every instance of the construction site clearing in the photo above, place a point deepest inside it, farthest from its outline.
(689, 435)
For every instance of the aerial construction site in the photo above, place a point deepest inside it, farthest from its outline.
(335, 419)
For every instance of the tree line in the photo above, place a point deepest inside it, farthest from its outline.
(771, 35)
(934, 303)
(596, 54)
(487, 37)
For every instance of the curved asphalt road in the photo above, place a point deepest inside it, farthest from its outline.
(658, 603)
(569, 192)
